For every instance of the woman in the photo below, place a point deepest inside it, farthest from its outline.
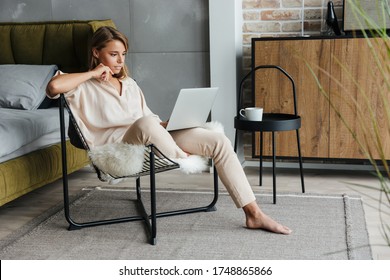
(110, 107)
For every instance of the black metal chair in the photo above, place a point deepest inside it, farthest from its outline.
(152, 165)
(271, 122)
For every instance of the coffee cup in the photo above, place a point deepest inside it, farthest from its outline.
(252, 113)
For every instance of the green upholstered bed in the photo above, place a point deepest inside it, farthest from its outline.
(64, 44)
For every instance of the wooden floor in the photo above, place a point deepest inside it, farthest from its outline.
(16, 213)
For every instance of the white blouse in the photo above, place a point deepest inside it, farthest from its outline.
(103, 114)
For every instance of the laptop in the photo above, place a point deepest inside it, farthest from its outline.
(192, 108)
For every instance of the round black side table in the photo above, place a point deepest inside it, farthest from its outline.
(272, 122)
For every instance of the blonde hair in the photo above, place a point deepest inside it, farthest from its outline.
(100, 39)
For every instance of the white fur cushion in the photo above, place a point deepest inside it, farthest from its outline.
(118, 159)
(121, 159)
(214, 126)
(192, 164)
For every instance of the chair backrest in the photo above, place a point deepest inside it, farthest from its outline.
(251, 74)
(74, 133)
(76, 137)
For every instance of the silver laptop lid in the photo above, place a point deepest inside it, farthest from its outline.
(192, 108)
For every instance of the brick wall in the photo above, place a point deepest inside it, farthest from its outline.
(281, 18)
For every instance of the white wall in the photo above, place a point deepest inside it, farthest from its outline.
(225, 18)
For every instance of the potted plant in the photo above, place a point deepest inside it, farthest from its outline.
(373, 27)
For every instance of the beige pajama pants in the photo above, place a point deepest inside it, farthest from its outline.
(197, 141)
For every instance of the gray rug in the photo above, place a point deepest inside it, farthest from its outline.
(328, 227)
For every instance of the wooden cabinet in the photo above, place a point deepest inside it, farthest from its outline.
(346, 70)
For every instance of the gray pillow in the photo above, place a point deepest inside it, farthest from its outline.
(24, 86)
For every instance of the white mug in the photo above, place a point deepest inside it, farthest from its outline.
(252, 113)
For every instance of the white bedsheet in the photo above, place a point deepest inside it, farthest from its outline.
(25, 131)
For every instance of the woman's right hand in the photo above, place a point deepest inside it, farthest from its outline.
(102, 72)
(64, 83)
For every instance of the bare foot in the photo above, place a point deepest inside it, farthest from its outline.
(266, 223)
(256, 219)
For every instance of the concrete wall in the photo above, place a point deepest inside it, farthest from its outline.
(225, 59)
(169, 40)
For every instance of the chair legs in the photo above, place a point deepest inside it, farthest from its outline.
(153, 217)
(152, 225)
(274, 163)
(149, 219)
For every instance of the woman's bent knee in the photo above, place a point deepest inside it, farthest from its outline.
(142, 130)
(145, 123)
